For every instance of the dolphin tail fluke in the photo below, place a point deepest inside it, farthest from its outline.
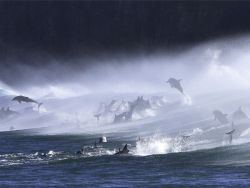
(182, 92)
(39, 105)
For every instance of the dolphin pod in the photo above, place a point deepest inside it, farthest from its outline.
(140, 104)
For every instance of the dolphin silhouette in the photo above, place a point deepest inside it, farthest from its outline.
(21, 99)
(221, 117)
(239, 114)
(230, 134)
(124, 151)
(174, 83)
(97, 116)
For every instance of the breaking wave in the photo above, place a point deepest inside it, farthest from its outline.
(126, 103)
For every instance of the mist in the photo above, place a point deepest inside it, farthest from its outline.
(214, 76)
(214, 66)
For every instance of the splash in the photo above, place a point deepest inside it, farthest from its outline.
(187, 100)
(196, 131)
(160, 145)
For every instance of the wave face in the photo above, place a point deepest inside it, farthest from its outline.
(23, 161)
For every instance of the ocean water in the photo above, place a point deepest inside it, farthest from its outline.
(176, 145)
(22, 164)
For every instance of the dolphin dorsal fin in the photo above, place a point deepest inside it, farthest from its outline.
(125, 147)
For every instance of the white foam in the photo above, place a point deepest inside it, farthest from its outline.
(187, 100)
(159, 145)
(197, 131)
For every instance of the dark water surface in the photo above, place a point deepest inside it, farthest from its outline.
(22, 165)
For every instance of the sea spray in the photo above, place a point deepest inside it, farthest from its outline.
(160, 145)
(187, 100)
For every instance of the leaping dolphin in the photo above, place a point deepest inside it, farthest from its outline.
(221, 117)
(174, 83)
(21, 99)
(230, 132)
(239, 114)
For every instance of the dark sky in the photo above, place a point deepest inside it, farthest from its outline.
(70, 28)
(52, 40)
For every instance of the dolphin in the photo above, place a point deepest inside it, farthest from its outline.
(230, 134)
(21, 99)
(5, 113)
(120, 117)
(221, 117)
(185, 137)
(108, 108)
(174, 83)
(124, 151)
(97, 116)
(239, 114)
(79, 152)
